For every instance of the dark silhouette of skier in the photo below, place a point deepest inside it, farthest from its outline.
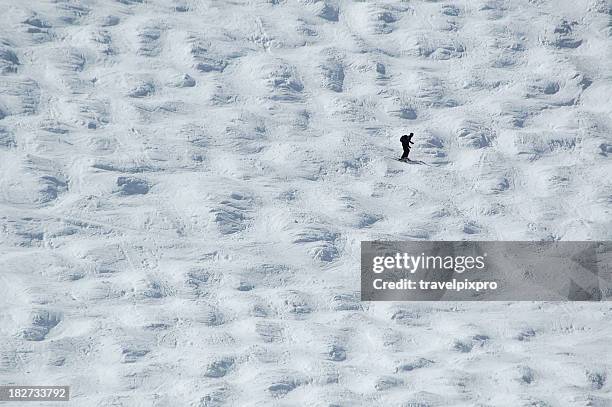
(406, 141)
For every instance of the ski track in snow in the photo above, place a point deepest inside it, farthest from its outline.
(184, 186)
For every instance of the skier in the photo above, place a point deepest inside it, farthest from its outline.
(406, 141)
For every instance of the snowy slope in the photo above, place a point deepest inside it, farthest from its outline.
(184, 186)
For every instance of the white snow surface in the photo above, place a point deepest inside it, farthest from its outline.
(184, 186)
